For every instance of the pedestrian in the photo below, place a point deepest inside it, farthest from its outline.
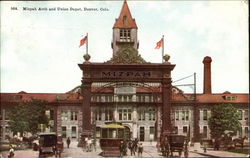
(121, 148)
(11, 152)
(134, 144)
(130, 146)
(140, 150)
(89, 145)
(125, 145)
(68, 142)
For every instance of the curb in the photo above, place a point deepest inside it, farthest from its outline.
(204, 154)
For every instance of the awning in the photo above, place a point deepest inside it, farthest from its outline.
(113, 126)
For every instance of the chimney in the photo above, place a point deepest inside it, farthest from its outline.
(207, 75)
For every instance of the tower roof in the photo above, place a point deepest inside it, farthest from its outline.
(125, 19)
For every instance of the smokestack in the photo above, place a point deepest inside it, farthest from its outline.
(207, 75)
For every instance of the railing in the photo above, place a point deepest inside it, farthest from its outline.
(127, 98)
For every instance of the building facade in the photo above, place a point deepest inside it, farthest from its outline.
(129, 90)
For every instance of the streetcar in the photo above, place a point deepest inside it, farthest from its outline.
(112, 135)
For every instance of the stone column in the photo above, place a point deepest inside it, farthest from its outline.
(55, 119)
(86, 110)
(134, 126)
(196, 135)
(166, 106)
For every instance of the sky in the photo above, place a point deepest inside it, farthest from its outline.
(40, 49)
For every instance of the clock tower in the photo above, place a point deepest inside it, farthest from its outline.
(124, 31)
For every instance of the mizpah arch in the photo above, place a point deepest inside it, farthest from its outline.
(116, 74)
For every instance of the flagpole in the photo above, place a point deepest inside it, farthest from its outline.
(87, 44)
(162, 49)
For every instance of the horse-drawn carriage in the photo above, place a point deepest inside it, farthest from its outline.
(174, 143)
(112, 135)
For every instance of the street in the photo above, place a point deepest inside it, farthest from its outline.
(75, 152)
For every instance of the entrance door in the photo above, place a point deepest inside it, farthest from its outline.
(142, 133)
(64, 131)
(73, 132)
(127, 133)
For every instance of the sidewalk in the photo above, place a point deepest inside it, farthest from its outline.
(149, 151)
(213, 153)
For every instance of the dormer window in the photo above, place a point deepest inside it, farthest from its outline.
(230, 97)
(124, 20)
(125, 34)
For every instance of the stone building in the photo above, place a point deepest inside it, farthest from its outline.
(129, 90)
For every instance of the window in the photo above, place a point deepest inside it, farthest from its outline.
(152, 130)
(183, 115)
(125, 114)
(108, 112)
(129, 114)
(141, 114)
(64, 116)
(151, 114)
(102, 98)
(187, 115)
(125, 98)
(105, 133)
(143, 98)
(130, 98)
(98, 114)
(73, 115)
(176, 115)
(246, 131)
(204, 131)
(120, 98)
(230, 97)
(185, 129)
(240, 132)
(106, 98)
(246, 114)
(125, 34)
(240, 114)
(204, 114)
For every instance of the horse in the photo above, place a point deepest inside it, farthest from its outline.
(239, 141)
(165, 147)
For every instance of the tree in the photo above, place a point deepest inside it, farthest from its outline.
(26, 116)
(224, 117)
